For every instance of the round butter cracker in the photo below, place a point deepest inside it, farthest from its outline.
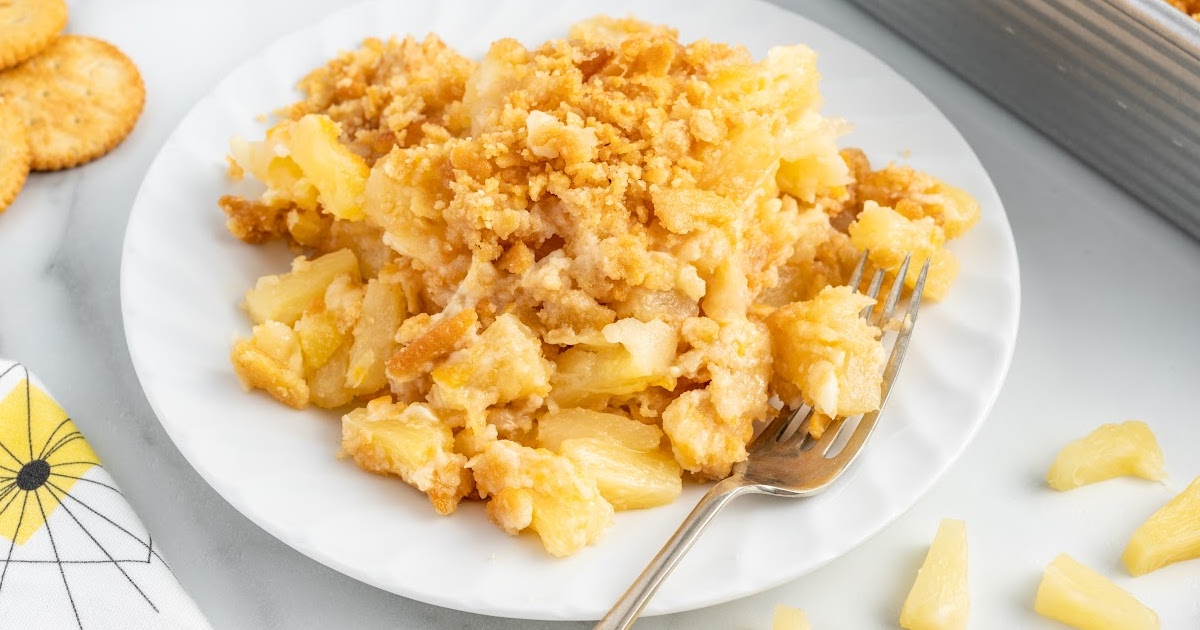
(28, 26)
(14, 155)
(79, 98)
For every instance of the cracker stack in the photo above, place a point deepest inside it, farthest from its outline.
(64, 99)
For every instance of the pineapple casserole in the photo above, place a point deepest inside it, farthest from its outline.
(562, 279)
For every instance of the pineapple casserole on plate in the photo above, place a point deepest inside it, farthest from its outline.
(445, 292)
(566, 278)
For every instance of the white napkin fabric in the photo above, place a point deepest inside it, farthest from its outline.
(73, 554)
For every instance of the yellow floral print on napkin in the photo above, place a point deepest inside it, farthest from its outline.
(42, 455)
(73, 554)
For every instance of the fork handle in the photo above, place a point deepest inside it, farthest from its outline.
(623, 613)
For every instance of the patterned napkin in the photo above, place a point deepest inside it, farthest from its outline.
(72, 552)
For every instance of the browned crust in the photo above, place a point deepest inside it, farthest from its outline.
(253, 221)
(411, 359)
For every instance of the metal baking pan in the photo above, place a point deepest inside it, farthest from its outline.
(1116, 82)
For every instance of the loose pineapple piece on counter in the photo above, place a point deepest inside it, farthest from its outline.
(889, 236)
(1112, 450)
(539, 490)
(271, 360)
(939, 599)
(830, 353)
(1170, 535)
(788, 618)
(409, 441)
(1081, 598)
(284, 297)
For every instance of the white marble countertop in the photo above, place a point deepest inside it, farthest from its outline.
(1110, 296)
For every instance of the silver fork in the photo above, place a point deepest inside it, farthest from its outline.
(780, 463)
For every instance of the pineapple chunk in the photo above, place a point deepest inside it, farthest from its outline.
(744, 165)
(284, 297)
(817, 424)
(635, 355)
(651, 343)
(504, 364)
(374, 336)
(404, 195)
(890, 235)
(319, 336)
(338, 174)
(269, 161)
(271, 360)
(366, 241)
(727, 292)
(471, 441)
(824, 348)
(788, 618)
(1079, 597)
(327, 384)
(409, 441)
(1112, 450)
(309, 228)
(324, 334)
(566, 424)
(1170, 535)
(939, 599)
(808, 175)
(629, 479)
(302, 162)
(539, 490)
(811, 163)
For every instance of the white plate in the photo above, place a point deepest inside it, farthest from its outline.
(183, 276)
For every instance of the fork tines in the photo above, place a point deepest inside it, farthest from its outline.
(893, 298)
(800, 417)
